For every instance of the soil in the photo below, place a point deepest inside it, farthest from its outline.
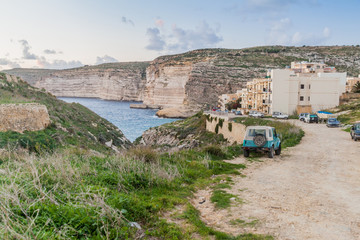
(310, 191)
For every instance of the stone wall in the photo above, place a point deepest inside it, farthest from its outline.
(236, 134)
(23, 117)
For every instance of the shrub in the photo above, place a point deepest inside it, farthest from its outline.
(230, 126)
(145, 154)
(221, 121)
(215, 151)
(217, 128)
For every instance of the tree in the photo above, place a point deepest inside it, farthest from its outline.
(356, 88)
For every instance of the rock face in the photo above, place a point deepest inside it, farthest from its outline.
(188, 81)
(23, 117)
(114, 81)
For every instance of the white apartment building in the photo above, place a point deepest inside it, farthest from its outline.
(310, 91)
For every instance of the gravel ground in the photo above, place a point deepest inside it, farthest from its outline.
(311, 191)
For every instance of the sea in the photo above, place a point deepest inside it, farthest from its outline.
(132, 122)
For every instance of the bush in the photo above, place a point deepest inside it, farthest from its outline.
(217, 128)
(215, 151)
(145, 154)
(230, 126)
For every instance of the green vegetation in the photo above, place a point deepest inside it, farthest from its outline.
(352, 113)
(192, 215)
(72, 124)
(291, 135)
(243, 223)
(73, 194)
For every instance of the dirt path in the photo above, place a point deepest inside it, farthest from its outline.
(312, 191)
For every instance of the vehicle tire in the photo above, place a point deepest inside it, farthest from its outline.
(259, 140)
(246, 153)
(271, 152)
(278, 151)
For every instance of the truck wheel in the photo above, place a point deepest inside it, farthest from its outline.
(246, 153)
(271, 152)
(278, 151)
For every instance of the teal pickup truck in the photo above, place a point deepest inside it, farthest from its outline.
(261, 138)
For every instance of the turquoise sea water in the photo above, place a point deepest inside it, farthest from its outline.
(132, 122)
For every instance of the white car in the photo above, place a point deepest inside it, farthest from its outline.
(280, 115)
(256, 114)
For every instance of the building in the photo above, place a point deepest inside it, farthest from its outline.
(350, 83)
(226, 98)
(305, 87)
(297, 92)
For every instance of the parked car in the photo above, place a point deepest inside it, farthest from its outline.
(261, 138)
(256, 114)
(280, 115)
(355, 131)
(302, 116)
(238, 113)
(311, 118)
(332, 122)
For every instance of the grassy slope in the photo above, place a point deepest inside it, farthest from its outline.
(353, 114)
(73, 194)
(72, 124)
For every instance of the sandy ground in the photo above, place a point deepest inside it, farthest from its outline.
(311, 191)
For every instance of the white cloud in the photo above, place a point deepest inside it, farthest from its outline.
(203, 36)
(7, 62)
(51, 51)
(26, 50)
(57, 64)
(155, 40)
(127, 21)
(105, 59)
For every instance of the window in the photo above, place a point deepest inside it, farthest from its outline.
(301, 98)
(263, 100)
(302, 86)
(308, 98)
(309, 86)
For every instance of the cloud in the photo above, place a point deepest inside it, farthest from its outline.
(105, 59)
(7, 62)
(127, 21)
(58, 64)
(281, 34)
(26, 50)
(155, 40)
(203, 36)
(311, 38)
(159, 23)
(51, 51)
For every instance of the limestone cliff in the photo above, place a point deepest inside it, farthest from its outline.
(23, 117)
(113, 81)
(188, 81)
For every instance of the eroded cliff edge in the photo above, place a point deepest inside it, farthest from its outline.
(111, 81)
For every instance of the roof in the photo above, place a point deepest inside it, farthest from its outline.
(259, 127)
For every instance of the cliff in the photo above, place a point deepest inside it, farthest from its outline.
(46, 123)
(190, 81)
(113, 81)
(23, 117)
(194, 80)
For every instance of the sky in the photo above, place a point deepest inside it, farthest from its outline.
(59, 34)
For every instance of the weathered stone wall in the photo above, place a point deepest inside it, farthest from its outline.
(23, 117)
(236, 134)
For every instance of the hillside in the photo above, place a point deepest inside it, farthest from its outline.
(188, 81)
(71, 124)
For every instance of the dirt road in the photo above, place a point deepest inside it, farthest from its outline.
(311, 191)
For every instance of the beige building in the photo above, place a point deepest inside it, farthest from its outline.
(305, 87)
(350, 83)
(305, 92)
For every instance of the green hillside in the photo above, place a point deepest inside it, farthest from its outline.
(71, 124)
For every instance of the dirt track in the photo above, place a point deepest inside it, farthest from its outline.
(311, 191)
